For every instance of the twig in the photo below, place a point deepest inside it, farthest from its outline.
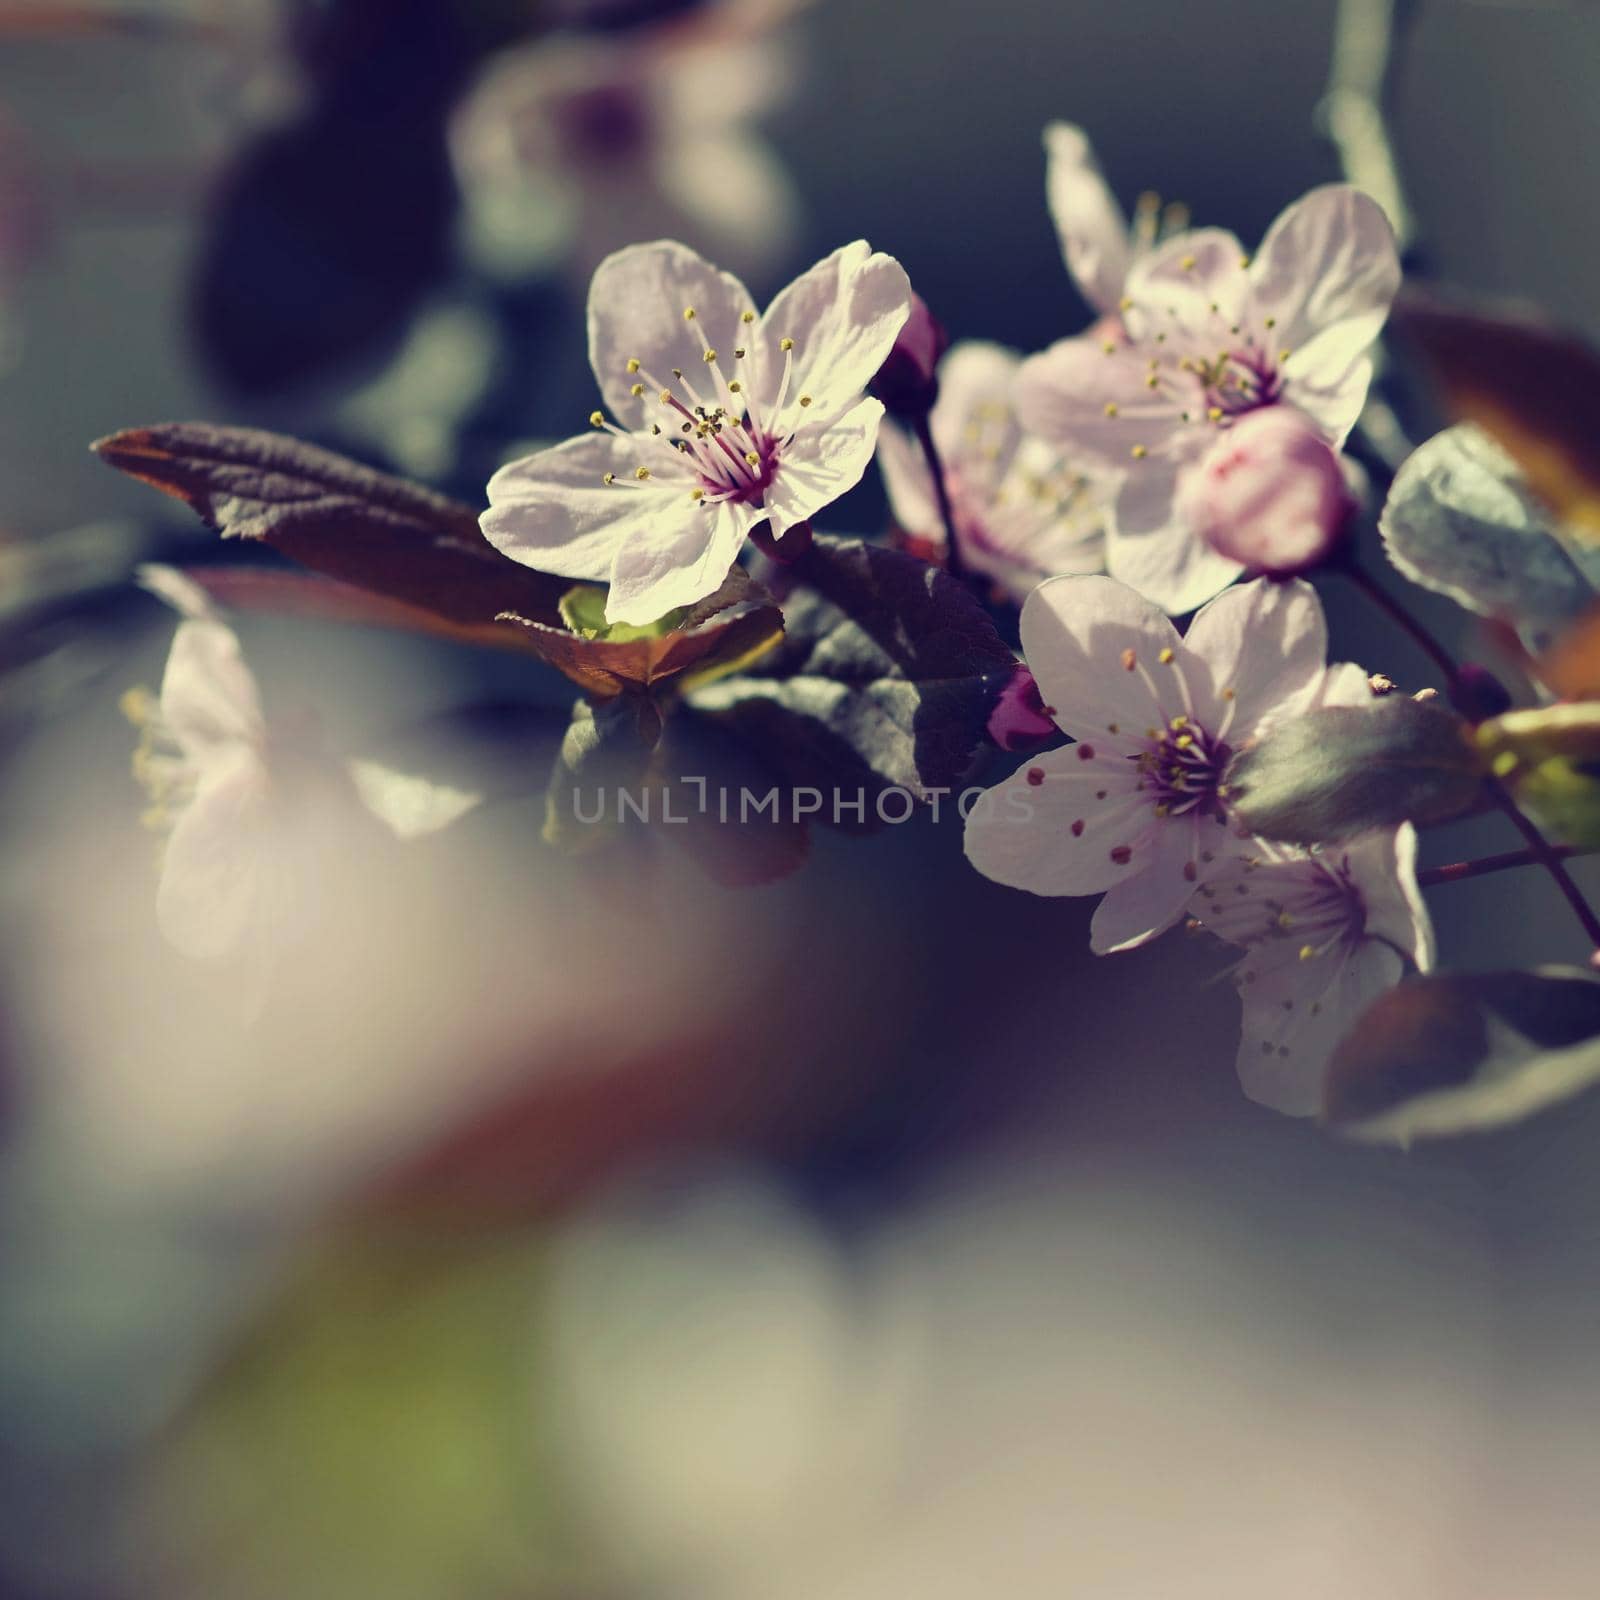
(1458, 871)
(953, 563)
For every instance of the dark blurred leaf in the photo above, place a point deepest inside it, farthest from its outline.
(1463, 1053)
(1461, 520)
(336, 517)
(735, 626)
(887, 675)
(1535, 388)
(1342, 770)
(602, 758)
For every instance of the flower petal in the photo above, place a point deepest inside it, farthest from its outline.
(820, 463)
(843, 316)
(637, 301)
(1327, 272)
(1384, 866)
(554, 511)
(1148, 903)
(1075, 635)
(909, 484)
(214, 874)
(1267, 642)
(1148, 547)
(1295, 1013)
(208, 695)
(1333, 403)
(973, 422)
(681, 558)
(1193, 288)
(1052, 827)
(1091, 396)
(1092, 227)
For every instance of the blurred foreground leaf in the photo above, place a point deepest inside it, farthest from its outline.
(1464, 1053)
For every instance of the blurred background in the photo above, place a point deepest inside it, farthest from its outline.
(548, 1227)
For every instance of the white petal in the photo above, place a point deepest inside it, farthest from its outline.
(1384, 867)
(1095, 402)
(1147, 904)
(1149, 548)
(1075, 632)
(1193, 288)
(216, 874)
(553, 510)
(682, 557)
(178, 589)
(976, 380)
(1056, 836)
(1267, 642)
(208, 694)
(1092, 226)
(820, 463)
(909, 483)
(637, 302)
(843, 315)
(1332, 398)
(1296, 1012)
(1327, 272)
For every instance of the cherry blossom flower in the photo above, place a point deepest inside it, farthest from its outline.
(1137, 809)
(1023, 511)
(1325, 932)
(731, 419)
(1210, 335)
(578, 145)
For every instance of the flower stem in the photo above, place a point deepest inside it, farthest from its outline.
(941, 494)
(1542, 851)
(1457, 871)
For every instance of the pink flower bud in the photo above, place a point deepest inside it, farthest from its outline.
(907, 383)
(1019, 720)
(1270, 493)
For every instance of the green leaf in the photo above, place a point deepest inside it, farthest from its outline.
(1462, 1053)
(1342, 770)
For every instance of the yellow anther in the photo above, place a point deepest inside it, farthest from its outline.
(1183, 741)
(1166, 656)
(633, 363)
(748, 317)
(709, 357)
(1188, 263)
(1125, 303)
(1307, 952)
(597, 419)
(1285, 353)
(1109, 347)
(609, 479)
(1139, 452)
(1285, 921)
(1213, 413)
(733, 388)
(1272, 322)
(697, 494)
(688, 313)
(786, 344)
(1230, 694)
(641, 473)
(1111, 408)
(805, 399)
(636, 390)
(1179, 723)
(752, 458)
(1152, 382)
(666, 400)
(1244, 261)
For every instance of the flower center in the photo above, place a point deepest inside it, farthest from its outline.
(1181, 769)
(730, 446)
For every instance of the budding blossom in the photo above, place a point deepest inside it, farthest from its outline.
(908, 382)
(1137, 808)
(1208, 337)
(1270, 494)
(1022, 510)
(730, 419)
(1325, 932)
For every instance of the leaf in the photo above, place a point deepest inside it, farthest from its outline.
(1464, 1053)
(1533, 387)
(602, 757)
(724, 632)
(1342, 770)
(1461, 520)
(1549, 757)
(887, 675)
(335, 517)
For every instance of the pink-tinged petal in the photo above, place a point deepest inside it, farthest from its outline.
(1345, 684)
(1193, 288)
(216, 871)
(1294, 1013)
(909, 484)
(1061, 826)
(1091, 225)
(1327, 273)
(1265, 641)
(1384, 867)
(637, 301)
(843, 316)
(1148, 548)
(208, 695)
(682, 559)
(1147, 904)
(1084, 640)
(973, 422)
(1091, 396)
(820, 463)
(1333, 400)
(554, 511)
